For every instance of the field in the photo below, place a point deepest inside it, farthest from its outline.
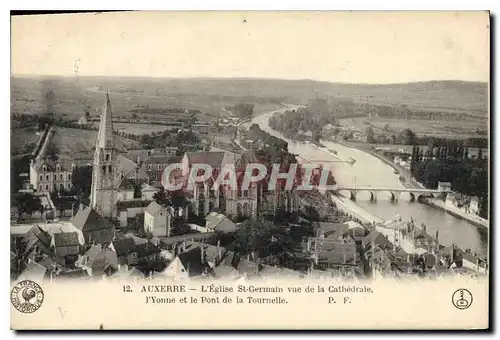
(448, 129)
(136, 129)
(79, 144)
(73, 96)
(20, 139)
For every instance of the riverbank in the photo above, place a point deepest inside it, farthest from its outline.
(477, 221)
(408, 182)
(347, 206)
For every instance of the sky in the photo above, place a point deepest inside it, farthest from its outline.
(350, 47)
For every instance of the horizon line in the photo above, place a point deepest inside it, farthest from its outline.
(25, 75)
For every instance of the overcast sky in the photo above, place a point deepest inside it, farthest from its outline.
(362, 47)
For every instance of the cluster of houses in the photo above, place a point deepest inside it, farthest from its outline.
(467, 204)
(101, 240)
(85, 249)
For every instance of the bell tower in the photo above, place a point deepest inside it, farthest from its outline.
(103, 192)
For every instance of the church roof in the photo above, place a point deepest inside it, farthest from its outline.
(105, 136)
(87, 219)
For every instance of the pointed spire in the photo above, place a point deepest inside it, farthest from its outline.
(105, 136)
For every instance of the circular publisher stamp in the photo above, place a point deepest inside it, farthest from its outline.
(27, 296)
(462, 298)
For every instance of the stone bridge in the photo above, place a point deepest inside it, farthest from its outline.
(393, 192)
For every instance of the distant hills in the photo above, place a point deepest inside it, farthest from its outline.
(447, 96)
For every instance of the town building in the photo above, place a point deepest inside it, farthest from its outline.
(95, 228)
(157, 220)
(48, 175)
(66, 244)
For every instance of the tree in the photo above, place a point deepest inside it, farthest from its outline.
(370, 135)
(407, 137)
(52, 152)
(253, 236)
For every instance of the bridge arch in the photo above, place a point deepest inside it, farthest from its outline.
(412, 197)
(373, 196)
(353, 195)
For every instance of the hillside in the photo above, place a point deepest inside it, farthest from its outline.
(72, 96)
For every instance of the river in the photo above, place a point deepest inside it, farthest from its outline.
(370, 171)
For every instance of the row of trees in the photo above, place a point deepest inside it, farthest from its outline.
(242, 110)
(467, 176)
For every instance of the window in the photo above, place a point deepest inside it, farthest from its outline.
(55, 177)
(69, 186)
(69, 176)
(41, 187)
(41, 177)
(61, 186)
(109, 168)
(46, 187)
(107, 157)
(149, 166)
(103, 169)
(47, 177)
(58, 168)
(159, 166)
(44, 169)
(61, 177)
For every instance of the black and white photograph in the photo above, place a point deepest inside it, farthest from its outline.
(261, 162)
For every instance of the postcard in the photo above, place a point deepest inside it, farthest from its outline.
(250, 170)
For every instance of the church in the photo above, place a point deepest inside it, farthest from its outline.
(114, 177)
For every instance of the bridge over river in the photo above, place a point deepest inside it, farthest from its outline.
(393, 192)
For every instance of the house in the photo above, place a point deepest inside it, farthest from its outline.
(155, 164)
(47, 175)
(33, 271)
(105, 263)
(219, 223)
(82, 120)
(37, 240)
(87, 259)
(147, 252)
(129, 169)
(14, 214)
(148, 192)
(356, 230)
(171, 150)
(130, 209)
(189, 264)
(125, 250)
(334, 231)
(66, 244)
(95, 228)
(215, 159)
(444, 186)
(157, 220)
(378, 239)
(474, 206)
(131, 250)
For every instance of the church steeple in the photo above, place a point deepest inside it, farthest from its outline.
(103, 191)
(105, 136)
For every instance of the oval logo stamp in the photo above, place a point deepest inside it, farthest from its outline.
(462, 298)
(27, 296)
